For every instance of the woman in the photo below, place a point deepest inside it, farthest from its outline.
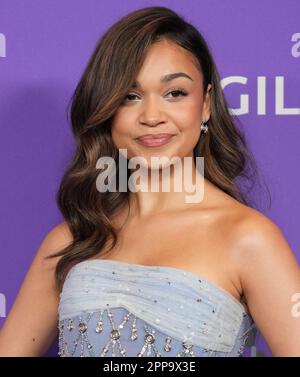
(148, 273)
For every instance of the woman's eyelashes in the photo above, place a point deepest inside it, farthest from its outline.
(178, 93)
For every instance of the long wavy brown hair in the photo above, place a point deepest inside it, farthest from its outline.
(106, 80)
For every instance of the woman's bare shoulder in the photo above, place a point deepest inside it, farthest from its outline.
(58, 236)
(269, 274)
(29, 329)
(252, 227)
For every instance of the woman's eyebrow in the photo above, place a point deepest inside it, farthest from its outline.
(166, 78)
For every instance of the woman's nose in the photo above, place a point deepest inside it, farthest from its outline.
(152, 114)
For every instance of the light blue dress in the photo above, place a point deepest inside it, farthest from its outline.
(114, 308)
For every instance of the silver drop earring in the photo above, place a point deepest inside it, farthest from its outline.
(204, 127)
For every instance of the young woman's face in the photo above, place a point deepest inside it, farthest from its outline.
(173, 107)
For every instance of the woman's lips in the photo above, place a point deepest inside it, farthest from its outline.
(155, 140)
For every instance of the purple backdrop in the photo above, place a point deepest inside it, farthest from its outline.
(44, 47)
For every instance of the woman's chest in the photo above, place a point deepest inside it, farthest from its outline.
(200, 245)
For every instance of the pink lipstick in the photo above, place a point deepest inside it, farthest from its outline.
(152, 140)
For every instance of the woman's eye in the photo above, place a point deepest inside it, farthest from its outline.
(130, 95)
(177, 93)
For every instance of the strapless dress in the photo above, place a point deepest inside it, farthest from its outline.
(113, 308)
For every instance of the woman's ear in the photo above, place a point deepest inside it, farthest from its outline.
(207, 104)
